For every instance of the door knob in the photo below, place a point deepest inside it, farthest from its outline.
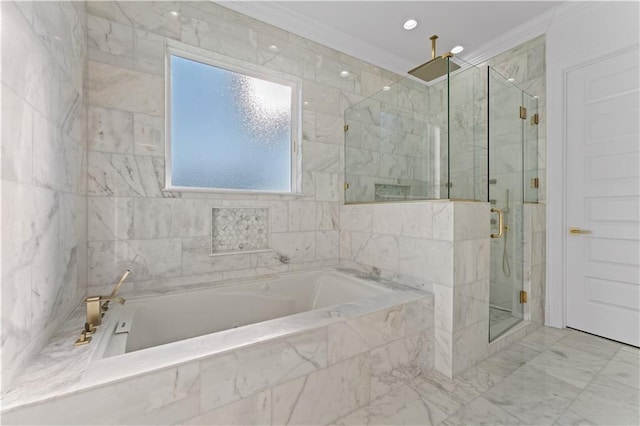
(578, 231)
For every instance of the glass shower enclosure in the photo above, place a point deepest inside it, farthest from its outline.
(469, 135)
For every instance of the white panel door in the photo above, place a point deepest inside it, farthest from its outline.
(603, 197)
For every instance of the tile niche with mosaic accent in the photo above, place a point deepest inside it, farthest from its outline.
(236, 230)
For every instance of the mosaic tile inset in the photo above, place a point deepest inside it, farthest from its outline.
(239, 229)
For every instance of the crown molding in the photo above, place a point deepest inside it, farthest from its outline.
(278, 15)
(534, 27)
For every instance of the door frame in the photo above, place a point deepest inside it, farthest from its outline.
(557, 73)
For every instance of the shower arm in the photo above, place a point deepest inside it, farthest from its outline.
(433, 39)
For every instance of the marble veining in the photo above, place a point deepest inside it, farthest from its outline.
(303, 345)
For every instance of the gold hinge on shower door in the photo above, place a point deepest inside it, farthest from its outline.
(523, 112)
(346, 127)
(523, 296)
(535, 182)
(535, 119)
(346, 185)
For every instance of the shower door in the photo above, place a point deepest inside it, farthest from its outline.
(510, 109)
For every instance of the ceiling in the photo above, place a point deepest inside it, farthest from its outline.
(372, 30)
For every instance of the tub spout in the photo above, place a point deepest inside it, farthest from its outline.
(95, 310)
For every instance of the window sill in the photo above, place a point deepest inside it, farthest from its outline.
(234, 192)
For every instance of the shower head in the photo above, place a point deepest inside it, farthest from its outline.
(437, 66)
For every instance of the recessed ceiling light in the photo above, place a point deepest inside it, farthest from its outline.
(386, 88)
(344, 73)
(174, 13)
(306, 102)
(274, 48)
(410, 24)
(511, 79)
(457, 49)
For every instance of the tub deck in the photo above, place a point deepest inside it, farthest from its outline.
(64, 372)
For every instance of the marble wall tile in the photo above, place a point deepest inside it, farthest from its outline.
(159, 258)
(213, 31)
(253, 410)
(471, 304)
(443, 217)
(430, 260)
(31, 77)
(359, 335)
(470, 345)
(328, 244)
(240, 374)
(324, 395)
(16, 315)
(50, 151)
(443, 307)
(417, 220)
(328, 186)
(124, 89)
(44, 225)
(471, 221)
(471, 261)
(443, 351)
(197, 259)
(320, 97)
(302, 215)
(321, 157)
(110, 218)
(329, 128)
(295, 246)
(356, 218)
(108, 41)
(155, 17)
(17, 137)
(285, 56)
(375, 250)
(110, 130)
(328, 216)
(124, 175)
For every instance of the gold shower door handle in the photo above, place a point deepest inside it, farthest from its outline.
(500, 223)
(578, 231)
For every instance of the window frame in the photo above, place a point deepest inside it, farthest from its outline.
(213, 59)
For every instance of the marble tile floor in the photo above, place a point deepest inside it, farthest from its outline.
(551, 377)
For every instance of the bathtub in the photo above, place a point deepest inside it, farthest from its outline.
(153, 321)
(218, 352)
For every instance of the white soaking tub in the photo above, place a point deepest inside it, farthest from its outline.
(206, 349)
(153, 321)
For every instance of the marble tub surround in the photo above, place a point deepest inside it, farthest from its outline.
(441, 246)
(375, 341)
(44, 218)
(165, 237)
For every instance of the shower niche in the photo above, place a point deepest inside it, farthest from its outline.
(469, 134)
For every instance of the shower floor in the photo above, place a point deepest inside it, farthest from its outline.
(500, 320)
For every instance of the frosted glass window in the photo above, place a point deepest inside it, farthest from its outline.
(229, 130)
